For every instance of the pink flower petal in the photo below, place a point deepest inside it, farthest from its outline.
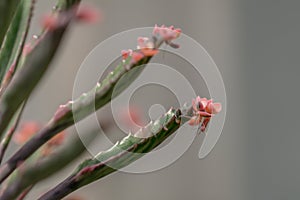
(137, 56)
(149, 52)
(126, 53)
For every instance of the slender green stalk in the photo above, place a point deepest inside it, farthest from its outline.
(34, 67)
(15, 38)
(120, 155)
(40, 169)
(10, 132)
(7, 10)
(87, 103)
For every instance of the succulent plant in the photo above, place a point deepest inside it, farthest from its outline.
(42, 152)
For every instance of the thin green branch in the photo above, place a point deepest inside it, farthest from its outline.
(7, 10)
(40, 169)
(14, 41)
(87, 103)
(120, 155)
(34, 67)
(10, 132)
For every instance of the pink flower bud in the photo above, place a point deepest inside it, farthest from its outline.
(88, 14)
(149, 52)
(136, 57)
(203, 110)
(168, 33)
(126, 53)
(213, 108)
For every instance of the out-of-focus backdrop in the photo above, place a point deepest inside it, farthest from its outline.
(255, 44)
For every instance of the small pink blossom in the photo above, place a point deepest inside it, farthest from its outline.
(213, 108)
(144, 42)
(146, 46)
(136, 56)
(168, 33)
(203, 110)
(126, 53)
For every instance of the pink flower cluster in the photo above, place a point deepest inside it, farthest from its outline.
(168, 33)
(203, 110)
(146, 46)
(136, 56)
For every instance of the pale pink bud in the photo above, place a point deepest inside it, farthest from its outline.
(137, 56)
(126, 53)
(88, 14)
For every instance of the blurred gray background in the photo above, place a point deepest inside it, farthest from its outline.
(255, 44)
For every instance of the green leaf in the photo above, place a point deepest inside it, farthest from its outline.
(15, 37)
(34, 67)
(123, 153)
(66, 4)
(7, 10)
(78, 109)
(10, 131)
(40, 169)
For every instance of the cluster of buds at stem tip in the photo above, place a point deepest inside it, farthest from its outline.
(146, 47)
(203, 110)
(167, 33)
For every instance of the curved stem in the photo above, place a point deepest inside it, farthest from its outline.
(76, 110)
(120, 155)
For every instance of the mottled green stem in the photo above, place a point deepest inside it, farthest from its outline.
(34, 172)
(7, 10)
(120, 155)
(13, 44)
(10, 132)
(87, 103)
(34, 67)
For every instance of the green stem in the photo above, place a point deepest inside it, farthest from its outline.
(7, 10)
(9, 134)
(101, 94)
(13, 44)
(38, 170)
(120, 155)
(34, 67)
